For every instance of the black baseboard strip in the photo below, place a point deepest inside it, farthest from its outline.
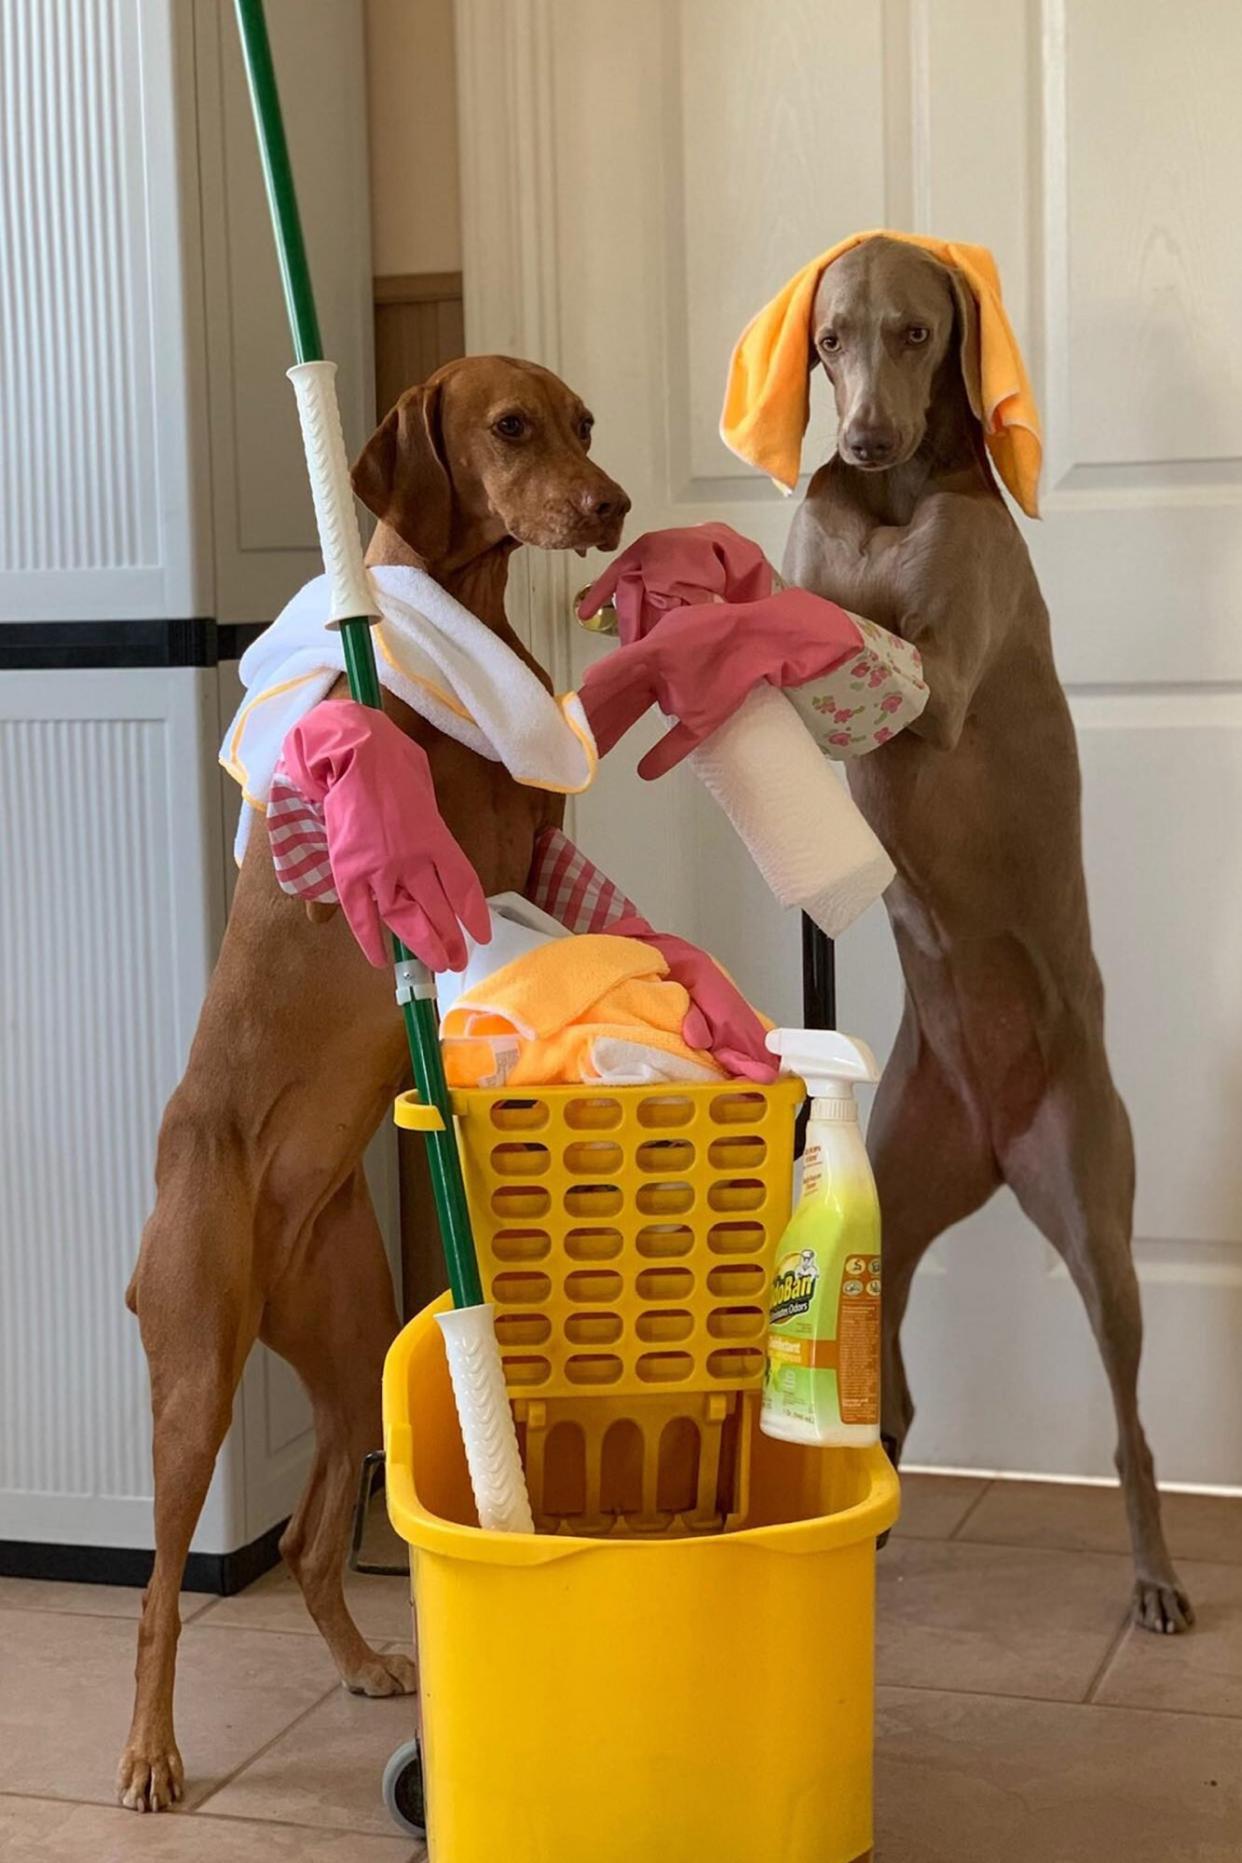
(66, 646)
(222, 1574)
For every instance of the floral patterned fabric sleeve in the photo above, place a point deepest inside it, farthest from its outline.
(867, 698)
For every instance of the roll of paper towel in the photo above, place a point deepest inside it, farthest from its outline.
(801, 827)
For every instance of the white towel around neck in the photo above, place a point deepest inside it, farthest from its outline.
(432, 653)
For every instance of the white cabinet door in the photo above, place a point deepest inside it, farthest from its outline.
(637, 181)
(139, 484)
(101, 445)
(110, 914)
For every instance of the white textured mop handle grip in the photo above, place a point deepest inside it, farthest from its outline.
(314, 384)
(486, 1420)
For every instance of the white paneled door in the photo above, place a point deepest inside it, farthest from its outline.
(637, 181)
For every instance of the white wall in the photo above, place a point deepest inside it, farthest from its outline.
(412, 112)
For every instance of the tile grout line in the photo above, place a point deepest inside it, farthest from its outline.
(973, 1508)
(984, 1694)
(187, 1623)
(222, 1817)
(310, 1629)
(1184, 1714)
(197, 1622)
(1033, 1546)
(1110, 1657)
(96, 1617)
(42, 1798)
(292, 1824)
(1057, 1701)
(267, 1746)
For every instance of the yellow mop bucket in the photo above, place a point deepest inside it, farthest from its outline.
(679, 1664)
(692, 1700)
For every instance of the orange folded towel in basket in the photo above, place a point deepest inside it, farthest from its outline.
(594, 1008)
(768, 398)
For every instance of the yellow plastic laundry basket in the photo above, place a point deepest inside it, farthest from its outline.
(699, 1699)
(625, 1238)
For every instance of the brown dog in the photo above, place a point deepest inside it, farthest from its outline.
(999, 1073)
(263, 1227)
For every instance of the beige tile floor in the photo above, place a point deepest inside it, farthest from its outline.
(1020, 1719)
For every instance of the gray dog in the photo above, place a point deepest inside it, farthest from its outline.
(999, 1073)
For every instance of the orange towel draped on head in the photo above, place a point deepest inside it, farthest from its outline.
(768, 398)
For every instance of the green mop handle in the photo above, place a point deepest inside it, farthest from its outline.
(352, 610)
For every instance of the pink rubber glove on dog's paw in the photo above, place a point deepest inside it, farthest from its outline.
(394, 863)
(667, 569)
(721, 1022)
(702, 662)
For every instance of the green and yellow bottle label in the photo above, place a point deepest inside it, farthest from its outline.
(824, 1316)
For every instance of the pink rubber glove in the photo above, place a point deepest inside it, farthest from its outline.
(394, 863)
(721, 1022)
(668, 569)
(701, 662)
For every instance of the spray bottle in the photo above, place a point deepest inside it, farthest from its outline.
(822, 1383)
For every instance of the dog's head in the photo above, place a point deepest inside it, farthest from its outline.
(888, 321)
(490, 448)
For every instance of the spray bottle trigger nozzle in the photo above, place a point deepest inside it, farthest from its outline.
(823, 1056)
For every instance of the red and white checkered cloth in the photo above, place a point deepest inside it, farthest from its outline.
(299, 841)
(562, 882)
(572, 889)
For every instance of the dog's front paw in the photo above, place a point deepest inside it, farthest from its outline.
(383, 1675)
(1161, 1606)
(150, 1776)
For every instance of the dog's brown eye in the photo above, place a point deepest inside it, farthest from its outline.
(509, 426)
(830, 341)
(917, 333)
(584, 429)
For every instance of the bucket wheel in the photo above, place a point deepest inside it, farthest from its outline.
(403, 1790)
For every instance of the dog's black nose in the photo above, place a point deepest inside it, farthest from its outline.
(871, 446)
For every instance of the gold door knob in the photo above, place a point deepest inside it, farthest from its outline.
(603, 622)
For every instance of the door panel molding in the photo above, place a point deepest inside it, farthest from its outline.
(510, 263)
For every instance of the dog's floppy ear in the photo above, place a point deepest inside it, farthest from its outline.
(813, 357)
(968, 341)
(401, 476)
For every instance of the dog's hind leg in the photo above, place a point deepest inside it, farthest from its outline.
(333, 1316)
(1073, 1173)
(934, 1166)
(192, 1294)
